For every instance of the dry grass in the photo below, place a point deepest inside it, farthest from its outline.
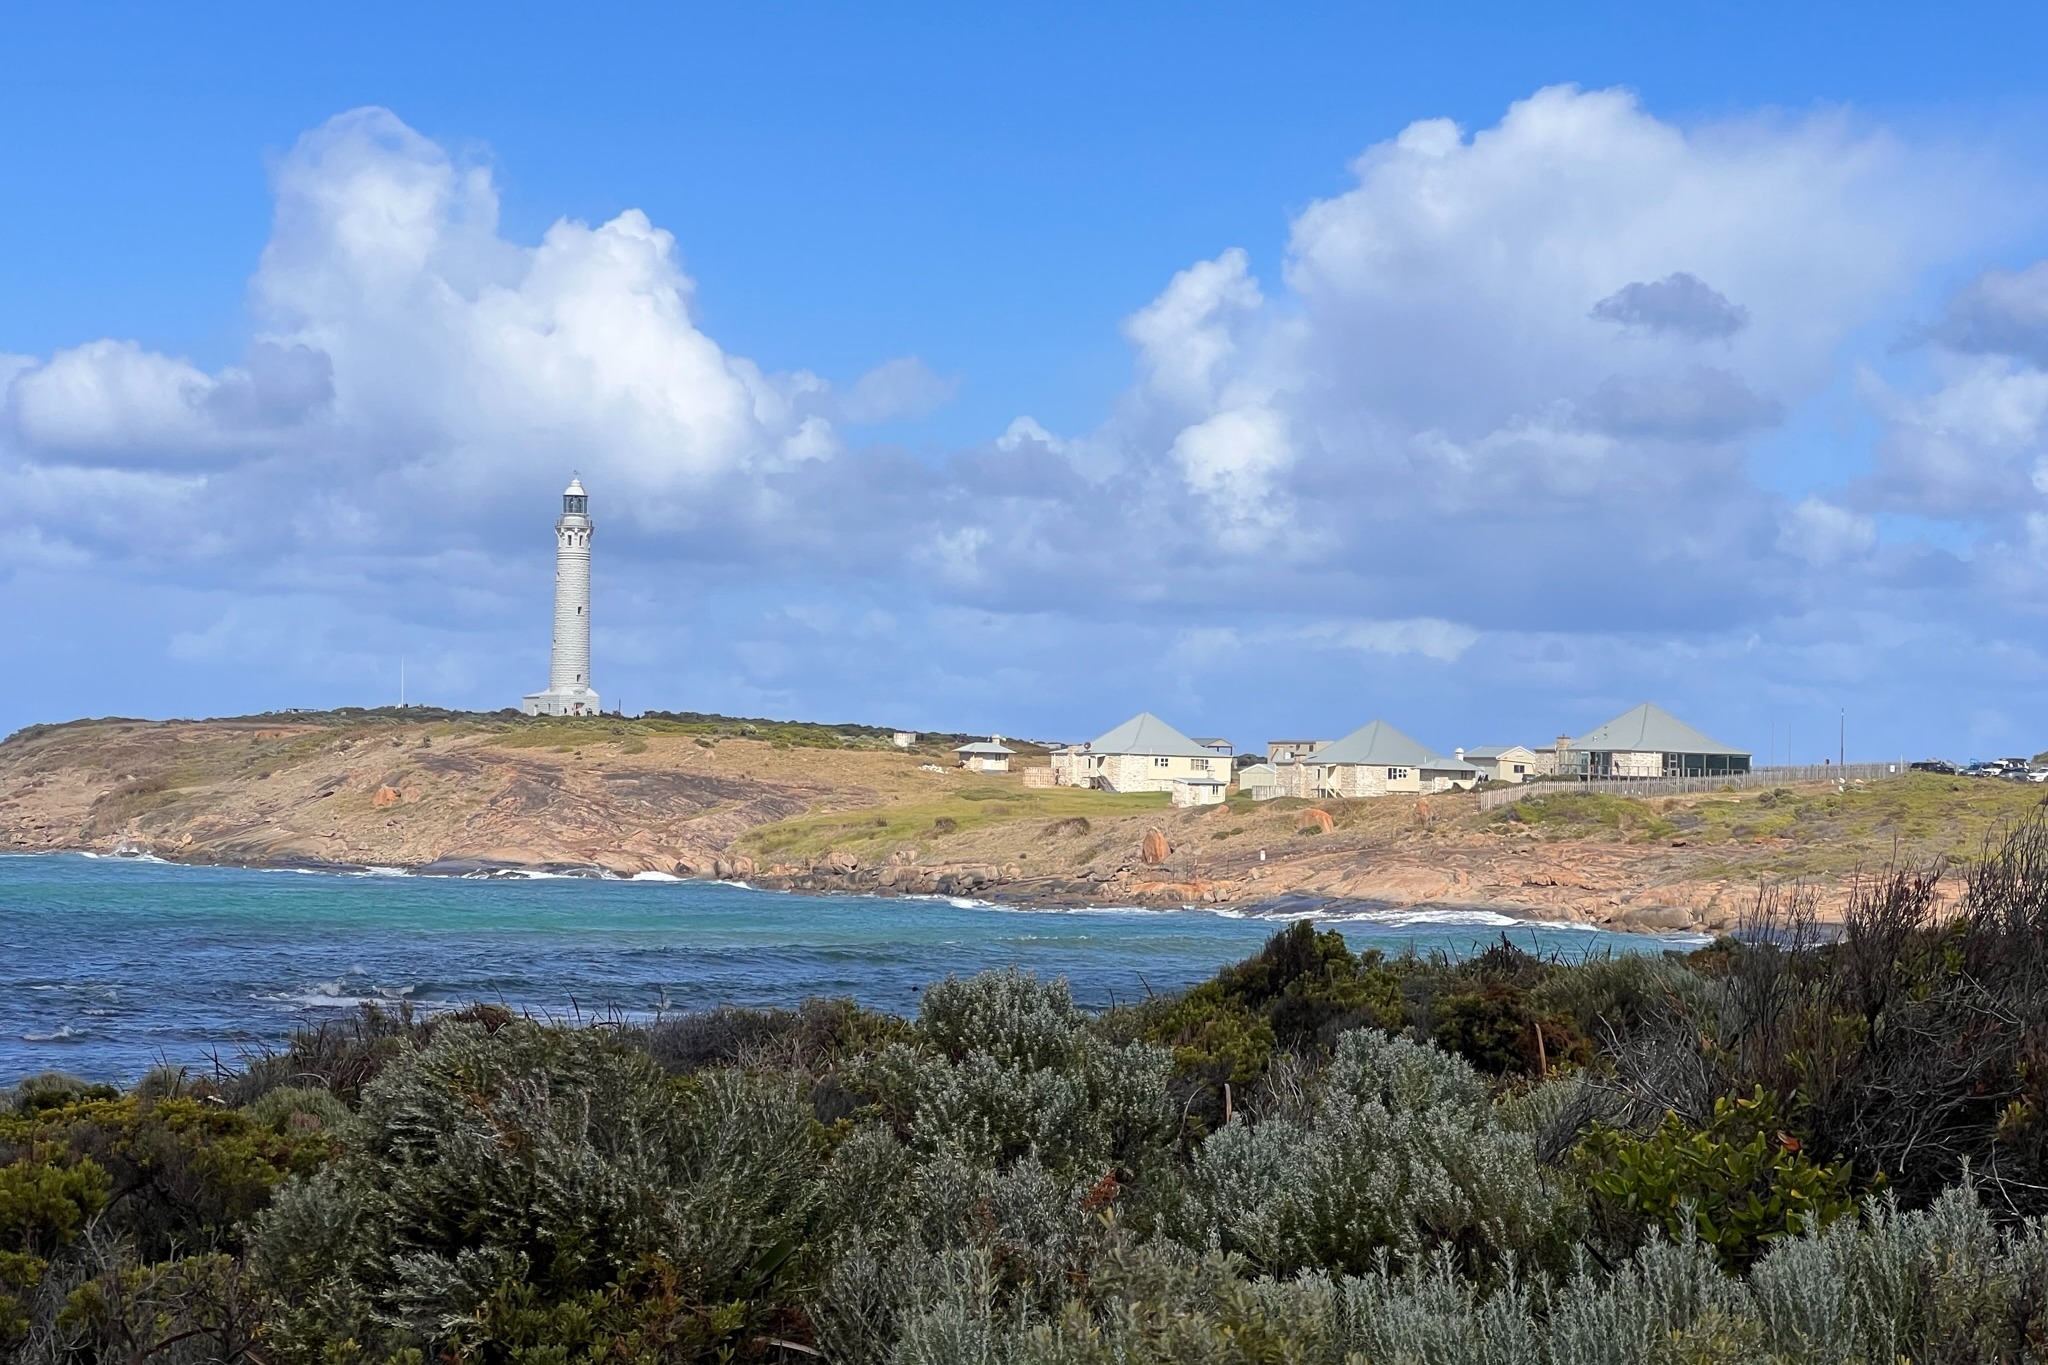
(1807, 831)
(977, 805)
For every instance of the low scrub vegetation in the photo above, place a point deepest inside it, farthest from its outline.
(1776, 1148)
(871, 832)
(1813, 830)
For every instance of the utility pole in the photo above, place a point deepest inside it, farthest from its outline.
(1842, 738)
(401, 682)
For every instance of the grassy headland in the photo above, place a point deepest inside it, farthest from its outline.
(832, 807)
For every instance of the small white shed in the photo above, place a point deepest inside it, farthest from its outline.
(987, 756)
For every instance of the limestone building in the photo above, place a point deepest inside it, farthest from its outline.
(1648, 742)
(1374, 760)
(569, 692)
(1144, 754)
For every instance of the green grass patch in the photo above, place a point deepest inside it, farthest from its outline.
(1579, 815)
(878, 828)
(1921, 814)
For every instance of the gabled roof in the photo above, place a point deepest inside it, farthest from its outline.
(984, 747)
(1378, 745)
(1262, 769)
(1150, 737)
(1650, 729)
(1496, 750)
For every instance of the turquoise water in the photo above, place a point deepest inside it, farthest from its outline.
(110, 966)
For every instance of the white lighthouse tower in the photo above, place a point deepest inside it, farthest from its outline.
(569, 692)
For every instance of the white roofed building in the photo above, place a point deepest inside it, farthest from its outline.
(1507, 762)
(1259, 781)
(1646, 742)
(1144, 754)
(986, 756)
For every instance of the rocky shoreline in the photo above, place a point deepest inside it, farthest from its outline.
(834, 878)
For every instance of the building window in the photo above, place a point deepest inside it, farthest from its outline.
(1397, 774)
(1200, 765)
(1518, 767)
(1162, 762)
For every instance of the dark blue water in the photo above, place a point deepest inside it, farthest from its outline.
(110, 966)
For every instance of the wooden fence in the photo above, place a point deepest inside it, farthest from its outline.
(1677, 786)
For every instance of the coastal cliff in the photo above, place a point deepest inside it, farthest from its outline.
(841, 809)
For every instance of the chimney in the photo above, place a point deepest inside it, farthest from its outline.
(1458, 754)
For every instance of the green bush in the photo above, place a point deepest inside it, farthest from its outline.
(536, 1187)
(1739, 1184)
(1405, 1156)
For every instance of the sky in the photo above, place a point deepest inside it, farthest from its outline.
(1481, 370)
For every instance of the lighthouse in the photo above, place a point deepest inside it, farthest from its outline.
(569, 692)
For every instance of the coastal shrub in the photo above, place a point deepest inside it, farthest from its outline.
(301, 1109)
(52, 1089)
(815, 1036)
(1002, 1065)
(1299, 994)
(1498, 1030)
(44, 1205)
(1405, 1155)
(181, 1173)
(121, 1219)
(1739, 1184)
(1620, 993)
(343, 1054)
(535, 1185)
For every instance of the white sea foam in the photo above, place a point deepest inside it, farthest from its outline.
(64, 1034)
(340, 993)
(651, 876)
(125, 855)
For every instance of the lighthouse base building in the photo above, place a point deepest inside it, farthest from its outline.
(569, 692)
(570, 702)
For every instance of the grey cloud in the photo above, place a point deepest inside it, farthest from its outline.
(281, 385)
(1999, 313)
(1680, 304)
(1703, 404)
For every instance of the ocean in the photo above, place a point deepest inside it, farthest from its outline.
(109, 966)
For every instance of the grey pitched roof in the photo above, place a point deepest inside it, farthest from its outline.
(1650, 729)
(1150, 737)
(984, 747)
(1490, 750)
(1377, 745)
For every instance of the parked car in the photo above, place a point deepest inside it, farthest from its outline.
(1935, 765)
(2037, 774)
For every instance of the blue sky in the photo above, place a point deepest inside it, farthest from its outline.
(1273, 370)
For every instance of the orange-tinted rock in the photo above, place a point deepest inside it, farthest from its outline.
(1317, 818)
(386, 796)
(1154, 848)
